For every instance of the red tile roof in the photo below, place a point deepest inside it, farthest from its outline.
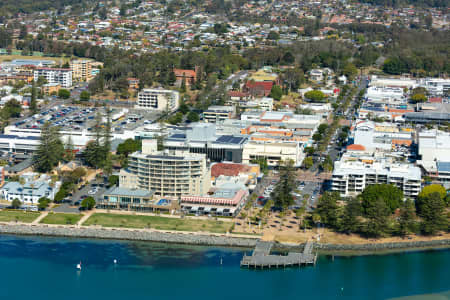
(435, 100)
(187, 73)
(356, 147)
(228, 169)
(237, 94)
(265, 85)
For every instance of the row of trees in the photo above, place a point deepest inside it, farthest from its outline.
(380, 211)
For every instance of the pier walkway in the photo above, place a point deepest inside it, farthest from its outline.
(261, 257)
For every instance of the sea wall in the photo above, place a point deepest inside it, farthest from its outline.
(367, 248)
(134, 235)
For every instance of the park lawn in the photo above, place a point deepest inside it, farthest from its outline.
(61, 218)
(155, 222)
(57, 60)
(18, 215)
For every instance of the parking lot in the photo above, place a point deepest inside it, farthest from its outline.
(70, 118)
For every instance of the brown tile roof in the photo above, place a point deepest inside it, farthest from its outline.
(228, 169)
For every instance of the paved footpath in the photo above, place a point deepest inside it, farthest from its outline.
(38, 219)
(85, 217)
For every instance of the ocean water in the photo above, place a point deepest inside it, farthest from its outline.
(45, 268)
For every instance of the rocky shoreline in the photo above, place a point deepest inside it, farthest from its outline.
(211, 239)
(373, 248)
(132, 235)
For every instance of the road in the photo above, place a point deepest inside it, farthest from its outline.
(333, 150)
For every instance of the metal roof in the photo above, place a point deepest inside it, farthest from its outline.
(118, 191)
(443, 166)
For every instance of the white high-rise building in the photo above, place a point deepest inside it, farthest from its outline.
(53, 75)
(352, 175)
(167, 173)
(158, 99)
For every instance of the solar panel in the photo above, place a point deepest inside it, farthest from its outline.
(178, 136)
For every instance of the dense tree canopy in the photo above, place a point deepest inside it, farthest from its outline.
(315, 96)
(390, 194)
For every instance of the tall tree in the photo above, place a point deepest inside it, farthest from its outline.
(282, 193)
(432, 213)
(349, 221)
(69, 150)
(376, 212)
(406, 221)
(327, 208)
(50, 150)
(33, 101)
(94, 153)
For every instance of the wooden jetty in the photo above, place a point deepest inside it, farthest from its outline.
(261, 257)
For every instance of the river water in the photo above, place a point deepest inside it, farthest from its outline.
(45, 268)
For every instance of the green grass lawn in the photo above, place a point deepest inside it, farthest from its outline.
(18, 215)
(61, 218)
(162, 223)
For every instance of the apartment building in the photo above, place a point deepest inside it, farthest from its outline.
(166, 173)
(158, 99)
(351, 175)
(55, 75)
(81, 69)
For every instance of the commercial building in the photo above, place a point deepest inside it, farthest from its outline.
(127, 199)
(434, 154)
(17, 144)
(158, 99)
(227, 200)
(54, 75)
(167, 173)
(263, 104)
(203, 138)
(352, 174)
(381, 136)
(274, 152)
(218, 113)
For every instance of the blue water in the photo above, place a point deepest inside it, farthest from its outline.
(44, 268)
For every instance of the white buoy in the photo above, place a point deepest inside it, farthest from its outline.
(115, 261)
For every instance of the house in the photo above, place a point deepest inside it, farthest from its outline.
(258, 88)
(51, 88)
(30, 192)
(188, 76)
(133, 83)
